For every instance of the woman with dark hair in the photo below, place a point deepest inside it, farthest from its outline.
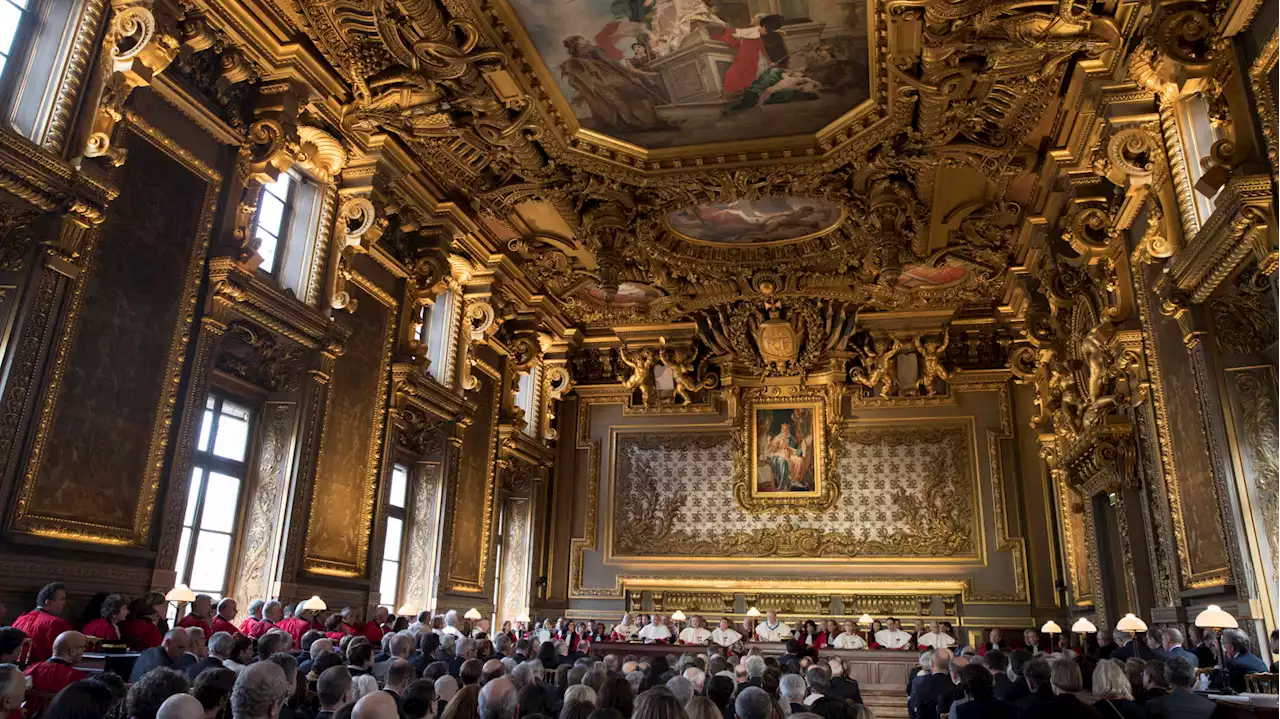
(91, 611)
(148, 693)
(658, 704)
(979, 688)
(241, 653)
(809, 634)
(85, 699)
(401, 624)
(112, 610)
(547, 655)
(334, 628)
(601, 634)
(213, 689)
(616, 694)
(141, 631)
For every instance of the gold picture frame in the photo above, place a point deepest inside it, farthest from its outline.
(784, 438)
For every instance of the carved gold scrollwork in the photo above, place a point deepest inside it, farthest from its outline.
(140, 42)
(356, 216)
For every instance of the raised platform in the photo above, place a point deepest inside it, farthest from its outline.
(881, 674)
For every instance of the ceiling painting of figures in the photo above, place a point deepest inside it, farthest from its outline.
(667, 73)
(764, 220)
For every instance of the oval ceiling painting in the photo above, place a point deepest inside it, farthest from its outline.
(916, 277)
(761, 221)
(629, 293)
(666, 73)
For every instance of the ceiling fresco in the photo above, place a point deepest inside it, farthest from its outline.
(662, 73)
(768, 219)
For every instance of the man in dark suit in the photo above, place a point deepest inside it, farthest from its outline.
(1106, 647)
(1180, 702)
(979, 700)
(1037, 673)
(998, 666)
(1018, 689)
(841, 686)
(1130, 647)
(523, 649)
(1172, 646)
(169, 653)
(1238, 660)
(937, 691)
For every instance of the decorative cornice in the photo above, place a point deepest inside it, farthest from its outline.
(1243, 224)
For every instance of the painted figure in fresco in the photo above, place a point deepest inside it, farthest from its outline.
(616, 96)
(757, 49)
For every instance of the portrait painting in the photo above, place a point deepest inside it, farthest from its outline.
(787, 449)
(759, 221)
(663, 73)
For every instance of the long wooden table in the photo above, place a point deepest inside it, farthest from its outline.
(881, 674)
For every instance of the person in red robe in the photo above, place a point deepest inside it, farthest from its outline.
(44, 623)
(140, 630)
(222, 620)
(755, 47)
(255, 616)
(52, 675)
(297, 625)
(201, 615)
(272, 614)
(335, 629)
(107, 627)
(375, 629)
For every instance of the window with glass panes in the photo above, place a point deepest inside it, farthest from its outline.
(275, 211)
(213, 496)
(13, 16)
(393, 546)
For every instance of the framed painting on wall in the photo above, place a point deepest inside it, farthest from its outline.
(788, 449)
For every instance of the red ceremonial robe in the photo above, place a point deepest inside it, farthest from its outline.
(222, 625)
(42, 627)
(262, 626)
(101, 629)
(746, 63)
(373, 631)
(140, 634)
(295, 627)
(192, 620)
(49, 677)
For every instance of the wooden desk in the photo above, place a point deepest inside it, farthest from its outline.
(120, 663)
(881, 674)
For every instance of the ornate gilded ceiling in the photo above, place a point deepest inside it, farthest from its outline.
(648, 161)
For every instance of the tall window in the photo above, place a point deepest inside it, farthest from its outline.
(393, 547)
(438, 327)
(527, 399)
(275, 212)
(209, 522)
(13, 21)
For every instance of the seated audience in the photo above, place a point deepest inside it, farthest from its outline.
(201, 614)
(213, 688)
(113, 610)
(84, 699)
(1237, 658)
(152, 688)
(141, 631)
(1180, 702)
(978, 699)
(169, 654)
(50, 676)
(1113, 693)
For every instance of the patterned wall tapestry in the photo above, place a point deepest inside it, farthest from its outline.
(904, 492)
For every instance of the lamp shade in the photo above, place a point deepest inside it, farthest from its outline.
(753, 612)
(1214, 618)
(678, 616)
(1130, 623)
(866, 619)
(407, 610)
(1051, 627)
(523, 617)
(180, 593)
(472, 614)
(315, 604)
(1083, 626)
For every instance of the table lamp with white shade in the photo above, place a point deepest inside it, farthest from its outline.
(677, 618)
(180, 595)
(1051, 628)
(868, 620)
(1131, 623)
(315, 604)
(407, 610)
(473, 614)
(1083, 627)
(753, 614)
(1213, 617)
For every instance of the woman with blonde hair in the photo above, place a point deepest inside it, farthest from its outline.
(702, 708)
(1115, 694)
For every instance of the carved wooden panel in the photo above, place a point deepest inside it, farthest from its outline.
(471, 505)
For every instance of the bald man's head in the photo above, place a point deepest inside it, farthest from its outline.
(492, 669)
(498, 699)
(181, 706)
(378, 705)
(69, 647)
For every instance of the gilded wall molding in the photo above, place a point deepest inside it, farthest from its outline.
(139, 533)
(476, 584)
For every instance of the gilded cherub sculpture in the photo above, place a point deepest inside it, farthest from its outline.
(684, 375)
(641, 364)
(878, 369)
(931, 367)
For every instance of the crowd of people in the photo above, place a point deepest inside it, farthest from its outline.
(288, 662)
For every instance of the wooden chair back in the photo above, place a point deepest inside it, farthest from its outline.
(1261, 683)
